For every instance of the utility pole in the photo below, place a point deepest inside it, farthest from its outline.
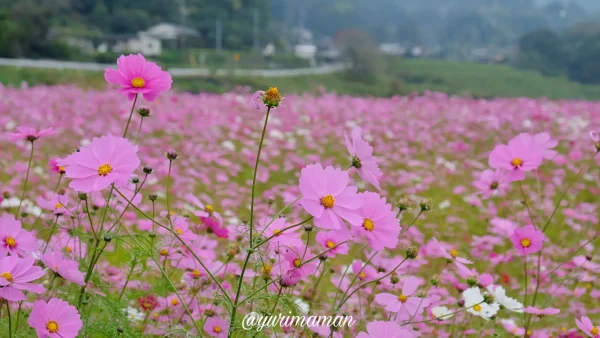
(219, 35)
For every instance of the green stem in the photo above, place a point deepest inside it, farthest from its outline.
(168, 188)
(9, 320)
(260, 144)
(18, 316)
(130, 115)
(26, 181)
(51, 233)
(282, 230)
(128, 278)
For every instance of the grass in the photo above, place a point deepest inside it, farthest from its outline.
(400, 76)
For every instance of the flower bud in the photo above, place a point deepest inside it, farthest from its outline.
(308, 227)
(24, 214)
(461, 303)
(135, 180)
(395, 279)
(272, 98)
(356, 162)
(107, 238)
(171, 155)
(425, 205)
(151, 234)
(143, 111)
(472, 281)
(588, 257)
(435, 282)
(147, 170)
(152, 197)
(82, 196)
(488, 298)
(6, 194)
(412, 252)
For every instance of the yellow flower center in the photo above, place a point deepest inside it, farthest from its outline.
(563, 329)
(58, 206)
(330, 244)
(266, 269)
(327, 201)
(526, 242)
(217, 329)
(209, 208)
(7, 275)
(105, 169)
(10, 242)
(272, 95)
(402, 298)
(277, 232)
(62, 168)
(174, 301)
(297, 262)
(594, 331)
(52, 326)
(362, 275)
(138, 82)
(68, 249)
(517, 162)
(164, 252)
(368, 224)
(196, 273)
(454, 253)
(179, 231)
(477, 307)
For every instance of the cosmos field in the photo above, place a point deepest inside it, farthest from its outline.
(477, 230)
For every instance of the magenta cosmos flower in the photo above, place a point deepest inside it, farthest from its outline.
(327, 196)
(492, 183)
(29, 134)
(281, 239)
(381, 329)
(55, 203)
(378, 222)
(585, 325)
(330, 241)
(55, 319)
(452, 256)
(14, 240)
(404, 301)
(519, 156)
(65, 268)
(136, 76)
(528, 240)
(216, 327)
(104, 161)
(15, 277)
(362, 158)
(543, 141)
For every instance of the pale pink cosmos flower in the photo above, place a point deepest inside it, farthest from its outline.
(542, 140)
(327, 196)
(381, 329)
(136, 76)
(216, 327)
(55, 319)
(362, 157)
(331, 241)
(378, 222)
(55, 167)
(595, 136)
(290, 278)
(65, 268)
(14, 240)
(452, 256)
(204, 210)
(106, 160)
(585, 325)
(281, 239)
(518, 157)
(55, 203)
(405, 301)
(29, 134)
(492, 183)
(541, 312)
(296, 258)
(16, 275)
(257, 98)
(364, 272)
(528, 240)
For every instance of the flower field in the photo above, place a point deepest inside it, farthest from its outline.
(142, 212)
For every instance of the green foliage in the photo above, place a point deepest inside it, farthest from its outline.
(360, 50)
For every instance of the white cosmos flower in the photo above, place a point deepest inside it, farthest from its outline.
(134, 315)
(474, 303)
(441, 312)
(500, 296)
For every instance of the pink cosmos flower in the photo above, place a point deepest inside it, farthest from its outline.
(216, 327)
(136, 76)
(204, 210)
(543, 141)
(381, 329)
(528, 240)
(29, 134)
(585, 325)
(292, 259)
(327, 196)
(362, 157)
(55, 319)
(104, 161)
(378, 222)
(453, 256)
(403, 302)
(55, 167)
(66, 268)
(541, 312)
(15, 277)
(518, 157)
(330, 240)
(366, 273)
(55, 203)
(290, 278)
(14, 240)
(492, 183)
(257, 98)
(595, 136)
(282, 239)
